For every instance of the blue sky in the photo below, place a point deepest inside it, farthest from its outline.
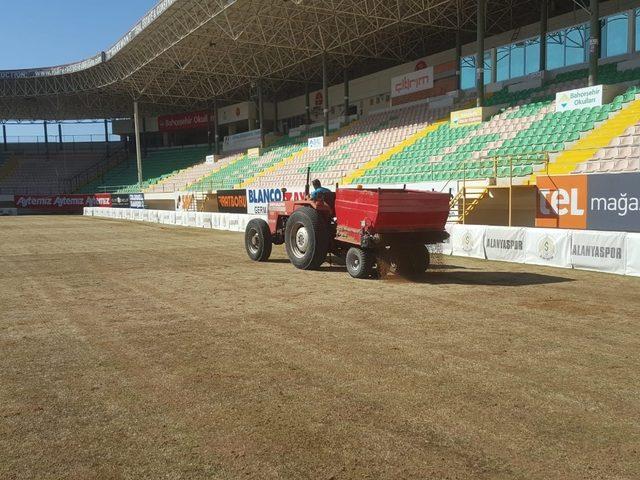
(40, 33)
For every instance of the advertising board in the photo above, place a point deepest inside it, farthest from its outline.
(232, 201)
(62, 203)
(580, 98)
(464, 118)
(412, 82)
(609, 202)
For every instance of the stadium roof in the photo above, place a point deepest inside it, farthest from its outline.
(184, 53)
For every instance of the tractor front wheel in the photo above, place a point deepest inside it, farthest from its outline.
(257, 240)
(307, 239)
(360, 262)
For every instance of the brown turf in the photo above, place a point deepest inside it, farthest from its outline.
(140, 351)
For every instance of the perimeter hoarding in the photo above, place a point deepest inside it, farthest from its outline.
(258, 199)
(609, 202)
(120, 200)
(232, 201)
(55, 203)
(137, 200)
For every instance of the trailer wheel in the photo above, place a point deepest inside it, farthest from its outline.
(306, 239)
(257, 240)
(411, 260)
(360, 262)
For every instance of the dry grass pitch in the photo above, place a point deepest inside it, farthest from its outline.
(141, 351)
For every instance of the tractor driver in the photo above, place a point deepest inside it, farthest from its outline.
(324, 194)
(319, 192)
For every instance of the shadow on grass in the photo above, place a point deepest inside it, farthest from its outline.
(502, 279)
(324, 268)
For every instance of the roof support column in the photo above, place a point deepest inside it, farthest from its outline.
(544, 27)
(106, 136)
(325, 95)
(261, 114)
(480, 53)
(46, 138)
(4, 137)
(60, 144)
(144, 136)
(136, 126)
(216, 133)
(458, 60)
(346, 96)
(209, 131)
(594, 43)
(307, 106)
(276, 127)
(632, 31)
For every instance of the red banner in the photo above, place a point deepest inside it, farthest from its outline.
(62, 203)
(182, 121)
(103, 200)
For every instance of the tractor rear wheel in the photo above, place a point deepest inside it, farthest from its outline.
(306, 239)
(257, 240)
(411, 260)
(360, 262)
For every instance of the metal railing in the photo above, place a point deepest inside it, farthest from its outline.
(462, 197)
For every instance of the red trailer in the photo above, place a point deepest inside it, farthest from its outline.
(370, 229)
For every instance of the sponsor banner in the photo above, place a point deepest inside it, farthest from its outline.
(103, 200)
(253, 152)
(562, 202)
(120, 200)
(412, 82)
(136, 200)
(167, 218)
(315, 143)
(63, 203)
(242, 141)
(609, 202)
(183, 121)
(601, 251)
(232, 201)
(234, 113)
(190, 219)
(203, 220)
(185, 201)
(463, 118)
(210, 159)
(633, 254)
(467, 240)
(579, 98)
(614, 202)
(504, 243)
(258, 199)
(548, 246)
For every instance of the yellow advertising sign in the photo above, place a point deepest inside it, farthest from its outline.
(463, 118)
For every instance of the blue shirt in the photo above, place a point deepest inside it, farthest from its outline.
(317, 191)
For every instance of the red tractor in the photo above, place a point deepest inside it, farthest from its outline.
(370, 229)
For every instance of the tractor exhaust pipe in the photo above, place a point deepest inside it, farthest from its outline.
(307, 186)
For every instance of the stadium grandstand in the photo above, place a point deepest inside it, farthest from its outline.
(359, 93)
(324, 239)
